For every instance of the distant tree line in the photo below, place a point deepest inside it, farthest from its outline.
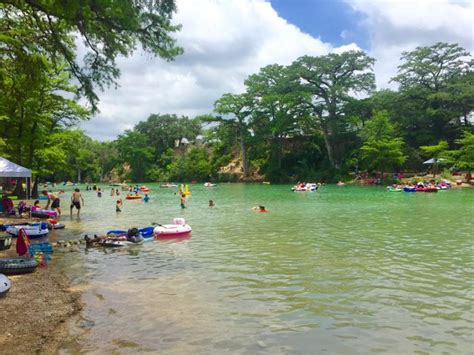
(319, 118)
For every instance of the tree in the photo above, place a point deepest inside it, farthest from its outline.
(279, 109)
(162, 131)
(464, 156)
(108, 29)
(331, 79)
(236, 110)
(381, 149)
(436, 84)
(134, 148)
(435, 152)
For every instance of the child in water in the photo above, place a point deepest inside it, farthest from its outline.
(119, 205)
(183, 200)
(146, 198)
(211, 203)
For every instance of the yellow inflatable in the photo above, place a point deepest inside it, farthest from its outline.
(184, 190)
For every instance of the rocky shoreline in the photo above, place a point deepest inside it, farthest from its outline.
(34, 313)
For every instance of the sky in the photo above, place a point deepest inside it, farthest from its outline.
(225, 41)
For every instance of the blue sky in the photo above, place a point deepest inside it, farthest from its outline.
(325, 19)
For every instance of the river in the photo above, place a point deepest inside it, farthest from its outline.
(341, 270)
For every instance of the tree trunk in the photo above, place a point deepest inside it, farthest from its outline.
(329, 148)
(34, 190)
(19, 191)
(31, 144)
(245, 162)
(78, 175)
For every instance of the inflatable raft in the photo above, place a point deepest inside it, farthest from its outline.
(119, 243)
(5, 285)
(178, 229)
(393, 189)
(426, 189)
(43, 213)
(146, 233)
(168, 185)
(133, 197)
(304, 187)
(36, 230)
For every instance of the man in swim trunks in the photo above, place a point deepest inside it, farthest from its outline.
(53, 200)
(76, 199)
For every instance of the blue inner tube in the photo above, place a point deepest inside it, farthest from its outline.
(146, 232)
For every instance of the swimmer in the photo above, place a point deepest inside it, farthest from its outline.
(260, 209)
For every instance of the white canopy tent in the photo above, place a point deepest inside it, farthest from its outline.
(434, 161)
(10, 169)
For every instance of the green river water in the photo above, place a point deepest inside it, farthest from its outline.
(341, 270)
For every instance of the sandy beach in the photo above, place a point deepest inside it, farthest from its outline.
(34, 312)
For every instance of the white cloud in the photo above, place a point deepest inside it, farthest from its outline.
(224, 42)
(396, 26)
(227, 40)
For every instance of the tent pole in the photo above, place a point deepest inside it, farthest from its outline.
(28, 187)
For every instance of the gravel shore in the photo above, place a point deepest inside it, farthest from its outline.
(34, 312)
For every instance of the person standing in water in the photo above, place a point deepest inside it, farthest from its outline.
(119, 205)
(183, 200)
(53, 200)
(76, 199)
(211, 203)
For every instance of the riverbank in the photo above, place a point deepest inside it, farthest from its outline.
(34, 312)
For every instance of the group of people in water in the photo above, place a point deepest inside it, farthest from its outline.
(77, 200)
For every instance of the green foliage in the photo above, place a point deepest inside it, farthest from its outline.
(381, 149)
(436, 90)
(435, 151)
(134, 148)
(463, 157)
(108, 29)
(330, 80)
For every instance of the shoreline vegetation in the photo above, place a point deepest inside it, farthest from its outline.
(280, 129)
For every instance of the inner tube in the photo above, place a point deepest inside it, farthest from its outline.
(39, 215)
(57, 226)
(17, 266)
(5, 242)
(121, 243)
(5, 285)
(133, 197)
